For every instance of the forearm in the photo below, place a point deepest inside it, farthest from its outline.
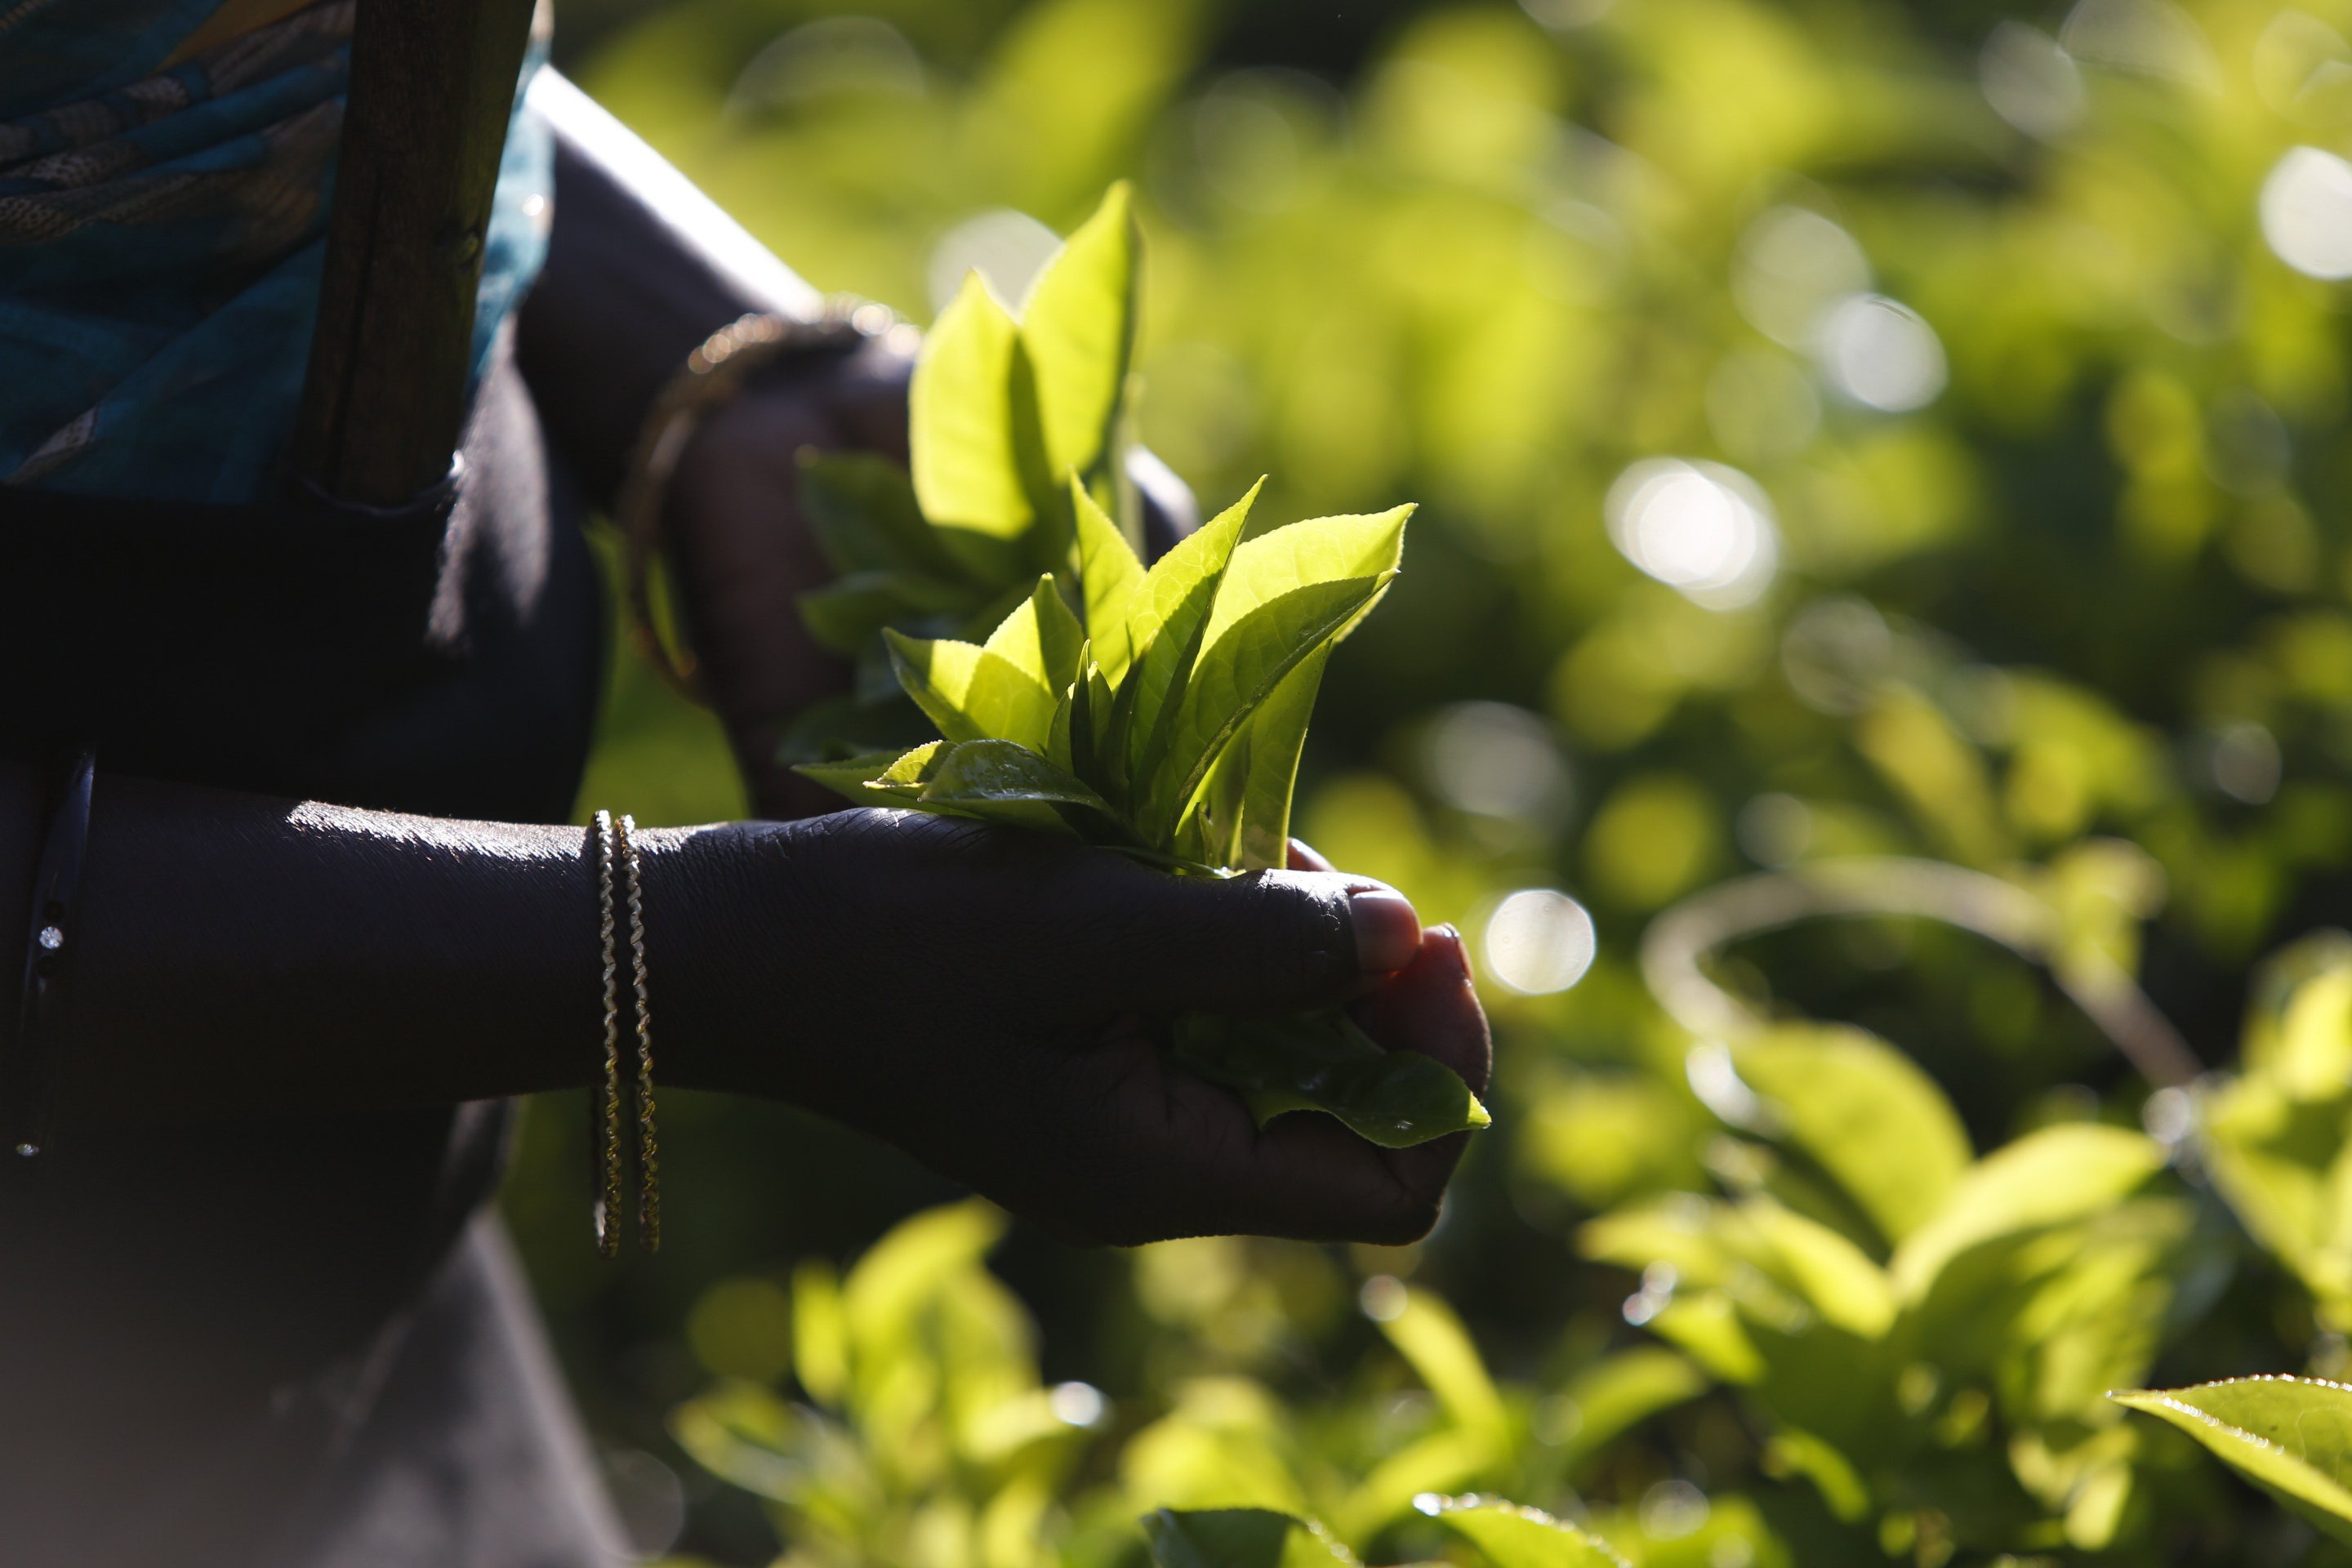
(641, 268)
(235, 954)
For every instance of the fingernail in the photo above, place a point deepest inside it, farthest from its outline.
(1388, 931)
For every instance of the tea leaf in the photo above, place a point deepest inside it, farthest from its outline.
(1108, 576)
(1079, 326)
(2046, 1178)
(971, 693)
(1228, 684)
(1040, 637)
(972, 421)
(1322, 1061)
(979, 775)
(848, 612)
(2292, 1434)
(861, 507)
(1240, 1538)
(1300, 555)
(852, 776)
(1513, 1537)
(1864, 1114)
(1180, 588)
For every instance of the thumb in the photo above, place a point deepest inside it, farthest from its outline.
(1270, 942)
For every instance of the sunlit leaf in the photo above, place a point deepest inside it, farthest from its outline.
(2046, 1178)
(1166, 618)
(1429, 1335)
(972, 421)
(2292, 1434)
(1513, 1537)
(981, 777)
(919, 1257)
(1109, 575)
(1079, 324)
(1040, 637)
(1864, 1114)
(1301, 554)
(1321, 1061)
(1229, 684)
(972, 694)
(1240, 1538)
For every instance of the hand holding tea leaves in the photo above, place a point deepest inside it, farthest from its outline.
(1158, 714)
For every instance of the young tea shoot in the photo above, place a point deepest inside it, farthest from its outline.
(1157, 712)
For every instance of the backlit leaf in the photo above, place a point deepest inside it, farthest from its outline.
(1166, 618)
(972, 420)
(1078, 325)
(2293, 1435)
(1321, 1061)
(972, 694)
(1040, 637)
(2046, 1178)
(1300, 555)
(1230, 682)
(1240, 1538)
(1865, 1115)
(1109, 575)
(1513, 1537)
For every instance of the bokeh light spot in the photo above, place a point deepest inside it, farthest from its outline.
(2306, 210)
(1793, 264)
(1538, 941)
(1881, 353)
(1700, 528)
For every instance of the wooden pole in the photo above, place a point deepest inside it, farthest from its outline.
(432, 90)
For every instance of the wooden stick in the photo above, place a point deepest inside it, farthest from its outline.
(433, 86)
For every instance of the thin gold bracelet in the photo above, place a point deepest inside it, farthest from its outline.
(648, 1145)
(620, 884)
(714, 372)
(604, 1118)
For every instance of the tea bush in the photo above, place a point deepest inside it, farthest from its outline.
(1870, 674)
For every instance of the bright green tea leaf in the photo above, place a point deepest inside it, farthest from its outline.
(2293, 1435)
(970, 411)
(2046, 1178)
(1166, 616)
(1240, 1538)
(1427, 1333)
(1230, 682)
(1513, 1537)
(1270, 746)
(1865, 1115)
(1040, 637)
(1301, 554)
(852, 776)
(1110, 575)
(972, 694)
(975, 774)
(917, 1260)
(1321, 1061)
(1078, 325)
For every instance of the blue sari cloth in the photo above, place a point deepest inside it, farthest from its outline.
(165, 171)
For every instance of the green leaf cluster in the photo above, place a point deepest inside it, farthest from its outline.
(1929, 1334)
(1002, 411)
(1157, 712)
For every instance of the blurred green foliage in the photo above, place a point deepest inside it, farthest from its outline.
(1844, 429)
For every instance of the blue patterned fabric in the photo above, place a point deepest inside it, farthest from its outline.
(165, 171)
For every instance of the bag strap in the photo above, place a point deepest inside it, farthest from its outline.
(432, 91)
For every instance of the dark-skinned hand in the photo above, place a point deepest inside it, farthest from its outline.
(981, 997)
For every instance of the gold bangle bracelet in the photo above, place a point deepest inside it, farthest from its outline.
(714, 372)
(620, 885)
